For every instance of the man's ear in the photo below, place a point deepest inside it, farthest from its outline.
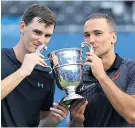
(22, 26)
(114, 37)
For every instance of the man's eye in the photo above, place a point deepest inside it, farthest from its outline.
(47, 35)
(86, 35)
(98, 33)
(37, 32)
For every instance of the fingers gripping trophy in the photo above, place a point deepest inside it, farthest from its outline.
(68, 69)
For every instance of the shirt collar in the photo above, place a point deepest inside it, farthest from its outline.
(116, 64)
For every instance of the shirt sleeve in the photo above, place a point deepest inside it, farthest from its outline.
(131, 80)
(48, 102)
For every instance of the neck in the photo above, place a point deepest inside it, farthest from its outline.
(20, 51)
(108, 60)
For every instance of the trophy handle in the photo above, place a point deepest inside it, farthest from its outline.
(40, 49)
(88, 46)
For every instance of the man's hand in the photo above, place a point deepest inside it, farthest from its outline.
(96, 64)
(59, 112)
(56, 114)
(29, 62)
(77, 109)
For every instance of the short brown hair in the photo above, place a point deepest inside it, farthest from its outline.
(109, 19)
(41, 11)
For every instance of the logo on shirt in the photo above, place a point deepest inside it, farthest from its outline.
(40, 85)
(116, 76)
(84, 87)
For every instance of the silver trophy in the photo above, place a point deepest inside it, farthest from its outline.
(68, 69)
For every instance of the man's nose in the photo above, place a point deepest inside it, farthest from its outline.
(41, 39)
(91, 39)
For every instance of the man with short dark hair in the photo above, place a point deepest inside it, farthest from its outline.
(27, 93)
(109, 84)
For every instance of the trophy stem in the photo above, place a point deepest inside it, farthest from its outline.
(71, 90)
(71, 95)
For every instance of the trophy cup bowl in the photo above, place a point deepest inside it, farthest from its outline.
(68, 70)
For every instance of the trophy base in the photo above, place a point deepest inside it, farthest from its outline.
(69, 98)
